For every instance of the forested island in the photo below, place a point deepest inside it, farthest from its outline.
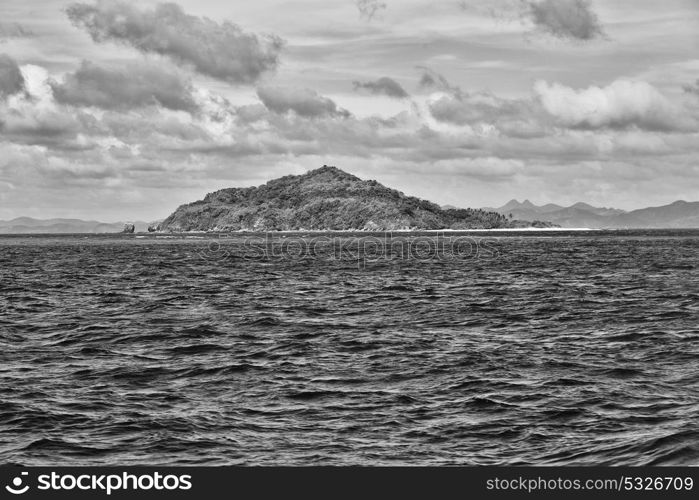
(326, 199)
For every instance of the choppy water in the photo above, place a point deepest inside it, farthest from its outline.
(570, 348)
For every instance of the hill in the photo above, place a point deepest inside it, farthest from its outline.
(323, 199)
(28, 225)
(677, 215)
(680, 214)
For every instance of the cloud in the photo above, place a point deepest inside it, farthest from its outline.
(13, 30)
(132, 86)
(42, 126)
(570, 19)
(619, 105)
(484, 111)
(693, 88)
(466, 110)
(383, 86)
(478, 138)
(304, 102)
(511, 117)
(11, 79)
(430, 79)
(488, 167)
(369, 8)
(573, 20)
(223, 51)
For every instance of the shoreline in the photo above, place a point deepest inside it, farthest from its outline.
(346, 233)
(362, 231)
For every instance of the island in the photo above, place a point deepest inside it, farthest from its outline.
(326, 199)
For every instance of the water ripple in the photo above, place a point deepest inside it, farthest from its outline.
(567, 349)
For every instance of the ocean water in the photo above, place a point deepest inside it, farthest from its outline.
(550, 348)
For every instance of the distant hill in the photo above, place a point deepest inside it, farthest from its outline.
(323, 199)
(680, 214)
(27, 225)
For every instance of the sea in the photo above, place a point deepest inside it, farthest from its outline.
(458, 348)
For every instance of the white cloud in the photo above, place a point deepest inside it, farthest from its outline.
(621, 104)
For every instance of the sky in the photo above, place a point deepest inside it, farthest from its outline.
(124, 110)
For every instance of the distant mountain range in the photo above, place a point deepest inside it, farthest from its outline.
(680, 214)
(27, 225)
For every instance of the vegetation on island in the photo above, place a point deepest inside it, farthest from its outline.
(324, 199)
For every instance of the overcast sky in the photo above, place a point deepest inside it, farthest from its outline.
(117, 110)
